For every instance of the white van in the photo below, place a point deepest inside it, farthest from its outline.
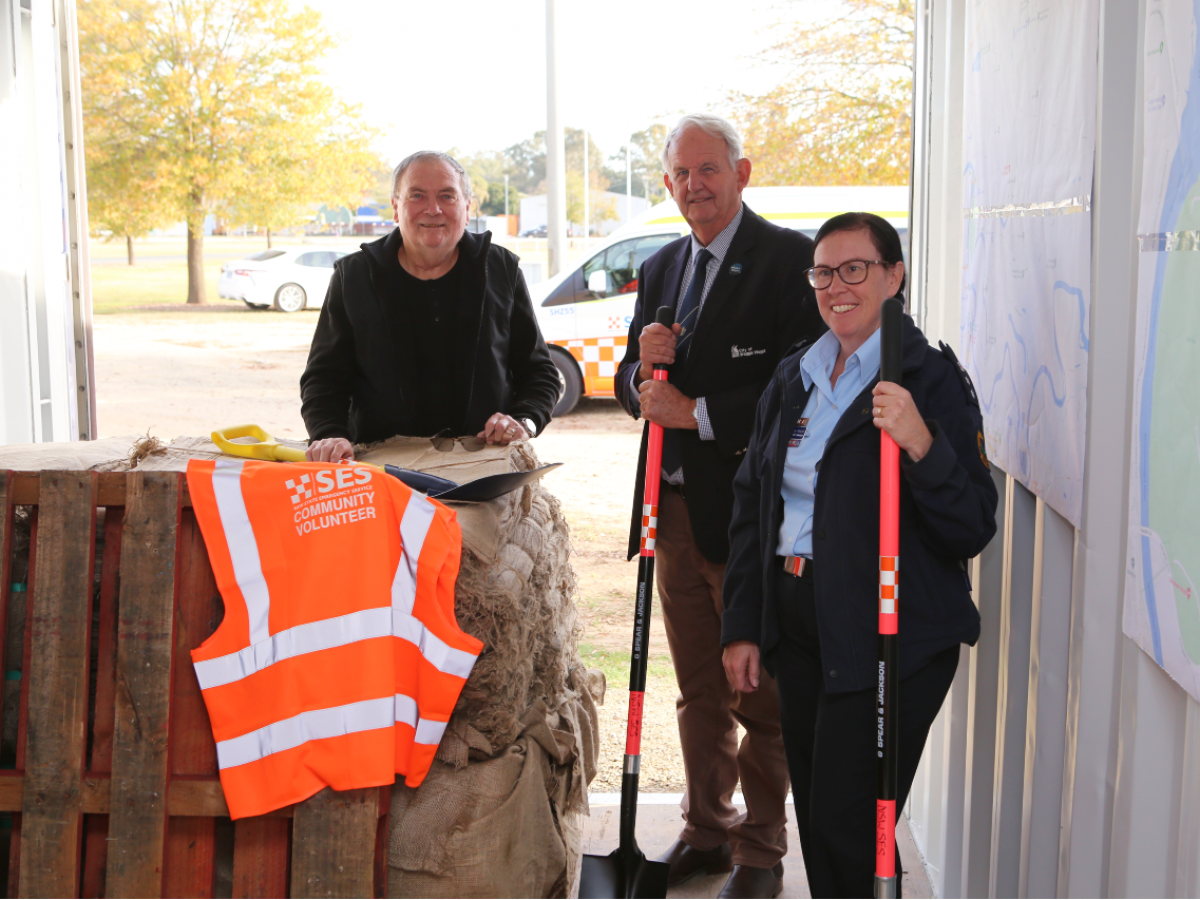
(585, 311)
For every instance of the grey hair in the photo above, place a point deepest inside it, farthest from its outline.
(714, 126)
(437, 156)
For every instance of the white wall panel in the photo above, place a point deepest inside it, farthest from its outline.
(45, 312)
(1103, 747)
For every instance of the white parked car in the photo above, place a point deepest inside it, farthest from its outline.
(288, 278)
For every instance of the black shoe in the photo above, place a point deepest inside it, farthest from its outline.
(751, 881)
(687, 862)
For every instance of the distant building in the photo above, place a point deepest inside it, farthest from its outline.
(371, 220)
(533, 212)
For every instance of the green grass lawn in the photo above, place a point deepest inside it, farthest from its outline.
(615, 664)
(124, 288)
(159, 275)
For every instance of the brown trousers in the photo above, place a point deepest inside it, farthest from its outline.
(709, 709)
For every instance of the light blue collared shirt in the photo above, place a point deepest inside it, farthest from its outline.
(808, 437)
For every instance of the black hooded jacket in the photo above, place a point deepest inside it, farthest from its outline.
(362, 372)
(947, 515)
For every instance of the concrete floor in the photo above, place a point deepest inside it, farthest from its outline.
(658, 825)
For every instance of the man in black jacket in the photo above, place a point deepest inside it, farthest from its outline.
(737, 284)
(426, 329)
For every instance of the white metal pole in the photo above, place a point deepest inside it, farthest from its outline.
(587, 190)
(628, 182)
(556, 176)
(505, 201)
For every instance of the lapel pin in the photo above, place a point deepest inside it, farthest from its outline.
(735, 269)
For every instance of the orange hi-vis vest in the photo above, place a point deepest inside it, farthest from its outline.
(339, 660)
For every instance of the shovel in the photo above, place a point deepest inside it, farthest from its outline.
(626, 872)
(489, 487)
(886, 698)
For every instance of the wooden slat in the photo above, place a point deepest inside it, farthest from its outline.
(185, 797)
(261, 856)
(27, 641)
(6, 537)
(25, 489)
(6, 530)
(52, 814)
(106, 662)
(197, 614)
(192, 842)
(137, 822)
(333, 844)
(381, 847)
(14, 848)
(95, 826)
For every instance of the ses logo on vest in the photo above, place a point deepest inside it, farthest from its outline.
(331, 497)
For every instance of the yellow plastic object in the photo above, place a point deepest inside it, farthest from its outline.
(267, 447)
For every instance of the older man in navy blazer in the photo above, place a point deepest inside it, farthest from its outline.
(738, 286)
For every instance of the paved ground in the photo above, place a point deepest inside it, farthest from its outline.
(658, 825)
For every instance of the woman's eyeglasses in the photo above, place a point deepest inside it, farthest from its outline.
(445, 440)
(851, 272)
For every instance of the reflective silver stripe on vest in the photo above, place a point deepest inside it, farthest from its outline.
(414, 525)
(307, 638)
(428, 731)
(243, 548)
(314, 725)
(439, 654)
(336, 632)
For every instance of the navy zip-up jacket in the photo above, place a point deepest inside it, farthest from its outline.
(947, 515)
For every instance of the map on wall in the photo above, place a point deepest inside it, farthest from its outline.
(1029, 125)
(1162, 568)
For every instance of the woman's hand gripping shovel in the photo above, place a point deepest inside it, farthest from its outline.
(626, 872)
(887, 698)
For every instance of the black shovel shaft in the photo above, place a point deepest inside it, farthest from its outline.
(637, 689)
(641, 624)
(627, 872)
(641, 620)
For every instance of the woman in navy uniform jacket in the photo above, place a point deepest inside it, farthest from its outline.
(801, 589)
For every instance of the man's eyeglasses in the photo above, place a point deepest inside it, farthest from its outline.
(853, 271)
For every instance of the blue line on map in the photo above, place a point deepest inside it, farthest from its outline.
(1058, 401)
(1185, 170)
(1077, 293)
(987, 406)
(1021, 341)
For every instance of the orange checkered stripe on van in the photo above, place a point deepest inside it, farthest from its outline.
(600, 356)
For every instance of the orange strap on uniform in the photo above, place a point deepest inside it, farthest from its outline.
(339, 660)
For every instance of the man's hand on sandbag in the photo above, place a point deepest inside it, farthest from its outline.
(329, 450)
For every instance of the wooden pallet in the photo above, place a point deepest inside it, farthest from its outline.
(131, 807)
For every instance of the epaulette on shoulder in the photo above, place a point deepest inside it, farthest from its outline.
(962, 372)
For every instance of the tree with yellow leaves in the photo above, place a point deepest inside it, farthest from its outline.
(842, 113)
(221, 106)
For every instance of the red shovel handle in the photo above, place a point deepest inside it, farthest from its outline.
(887, 700)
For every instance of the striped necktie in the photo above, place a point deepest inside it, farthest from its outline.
(687, 313)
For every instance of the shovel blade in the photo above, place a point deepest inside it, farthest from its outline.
(622, 874)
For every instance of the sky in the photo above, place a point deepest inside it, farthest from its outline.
(471, 74)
